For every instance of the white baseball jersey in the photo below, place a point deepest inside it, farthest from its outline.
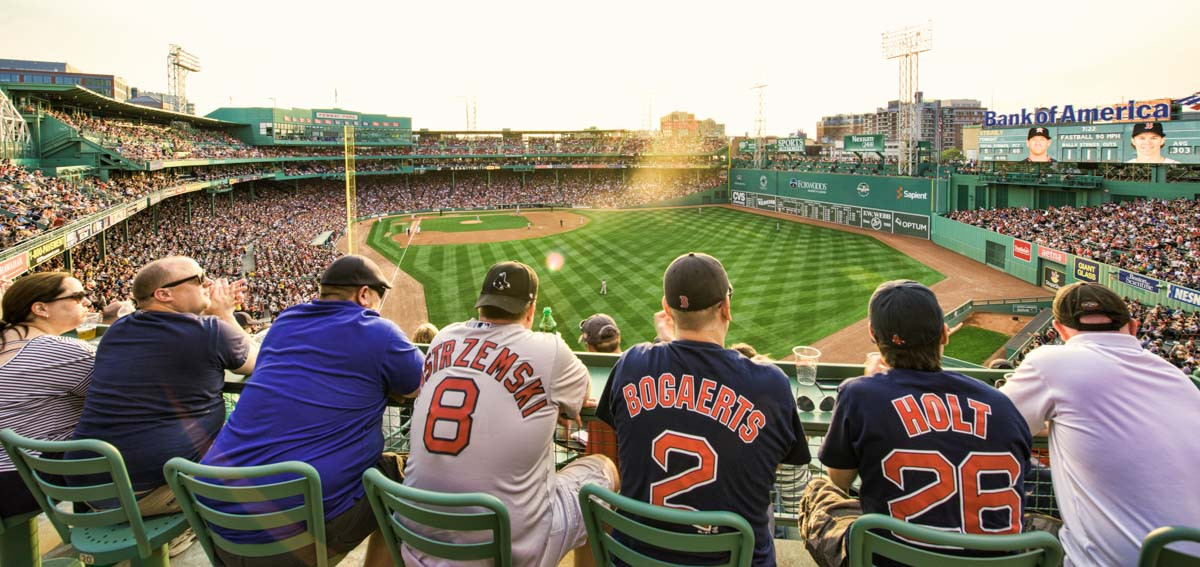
(485, 420)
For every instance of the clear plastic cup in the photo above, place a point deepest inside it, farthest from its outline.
(806, 365)
(87, 329)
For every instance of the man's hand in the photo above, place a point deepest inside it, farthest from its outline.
(664, 326)
(222, 299)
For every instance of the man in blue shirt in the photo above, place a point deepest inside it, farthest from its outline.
(932, 447)
(156, 387)
(699, 426)
(325, 372)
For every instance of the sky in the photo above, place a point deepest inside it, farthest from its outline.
(617, 64)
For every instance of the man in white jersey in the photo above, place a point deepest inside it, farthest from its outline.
(1123, 423)
(491, 396)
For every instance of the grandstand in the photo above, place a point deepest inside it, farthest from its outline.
(100, 187)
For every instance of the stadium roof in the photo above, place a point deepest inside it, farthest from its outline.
(84, 98)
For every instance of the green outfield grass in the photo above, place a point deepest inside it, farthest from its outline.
(792, 286)
(975, 344)
(486, 222)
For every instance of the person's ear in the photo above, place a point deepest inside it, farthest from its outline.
(945, 334)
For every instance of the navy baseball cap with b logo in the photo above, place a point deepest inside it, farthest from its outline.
(905, 314)
(509, 286)
(695, 281)
(1151, 127)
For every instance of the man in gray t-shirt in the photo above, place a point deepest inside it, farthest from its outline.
(484, 422)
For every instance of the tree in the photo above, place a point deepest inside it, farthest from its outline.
(951, 155)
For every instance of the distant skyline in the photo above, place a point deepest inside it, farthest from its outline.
(617, 64)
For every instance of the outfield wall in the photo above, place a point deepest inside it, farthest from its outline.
(895, 205)
(1052, 269)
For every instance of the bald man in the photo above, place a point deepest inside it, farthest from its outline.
(156, 388)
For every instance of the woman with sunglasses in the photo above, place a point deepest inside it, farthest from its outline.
(43, 376)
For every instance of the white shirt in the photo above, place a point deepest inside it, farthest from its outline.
(1124, 442)
(509, 452)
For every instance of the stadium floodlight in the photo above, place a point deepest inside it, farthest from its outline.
(760, 125)
(906, 44)
(179, 64)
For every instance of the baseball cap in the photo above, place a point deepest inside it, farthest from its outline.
(905, 314)
(1079, 299)
(352, 270)
(1038, 131)
(695, 281)
(1152, 127)
(509, 286)
(597, 329)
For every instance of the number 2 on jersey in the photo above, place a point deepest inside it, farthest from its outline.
(459, 415)
(705, 471)
(964, 480)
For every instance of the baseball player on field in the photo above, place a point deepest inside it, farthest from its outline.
(699, 426)
(492, 394)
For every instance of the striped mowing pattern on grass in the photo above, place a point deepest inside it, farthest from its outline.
(791, 287)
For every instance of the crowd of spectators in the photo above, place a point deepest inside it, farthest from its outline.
(31, 203)
(147, 141)
(1156, 237)
(1167, 332)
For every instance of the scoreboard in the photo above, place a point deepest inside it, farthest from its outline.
(1110, 143)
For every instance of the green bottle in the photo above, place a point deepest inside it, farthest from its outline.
(547, 325)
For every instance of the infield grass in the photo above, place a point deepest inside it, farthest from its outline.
(791, 287)
(975, 344)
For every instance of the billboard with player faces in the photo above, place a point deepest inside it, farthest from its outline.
(1135, 142)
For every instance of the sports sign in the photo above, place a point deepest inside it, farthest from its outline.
(790, 145)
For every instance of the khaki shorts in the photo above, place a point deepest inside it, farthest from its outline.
(343, 532)
(826, 513)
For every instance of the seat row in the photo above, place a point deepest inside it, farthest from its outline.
(105, 526)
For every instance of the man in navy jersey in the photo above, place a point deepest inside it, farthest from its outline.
(932, 447)
(699, 426)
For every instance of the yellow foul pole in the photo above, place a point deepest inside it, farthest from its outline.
(351, 198)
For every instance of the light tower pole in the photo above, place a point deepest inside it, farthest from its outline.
(179, 64)
(906, 45)
(760, 121)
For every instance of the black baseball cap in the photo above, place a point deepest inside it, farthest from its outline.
(1152, 127)
(1080, 299)
(597, 329)
(509, 286)
(352, 270)
(905, 314)
(1038, 131)
(695, 281)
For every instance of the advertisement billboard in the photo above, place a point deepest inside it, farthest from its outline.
(863, 143)
(1135, 142)
(790, 145)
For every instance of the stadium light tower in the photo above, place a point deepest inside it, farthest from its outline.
(179, 64)
(760, 124)
(907, 44)
(14, 133)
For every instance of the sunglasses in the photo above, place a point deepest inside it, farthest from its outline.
(200, 279)
(379, 290)
(78, 296)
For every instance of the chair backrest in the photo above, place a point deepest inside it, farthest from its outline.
(397, 508)
(1155, 552)
(1029, 549)
(737, 540)
(192, 482)
(106, 480)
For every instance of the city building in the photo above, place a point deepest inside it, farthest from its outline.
(55, 73)
(685, 125)
(939, 122)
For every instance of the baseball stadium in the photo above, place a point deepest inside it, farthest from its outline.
(341, 253)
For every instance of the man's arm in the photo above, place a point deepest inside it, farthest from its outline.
(843, 478)
(402, 367)
(1031, 395)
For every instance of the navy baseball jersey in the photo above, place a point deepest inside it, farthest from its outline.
(934, 448)
(700, 427)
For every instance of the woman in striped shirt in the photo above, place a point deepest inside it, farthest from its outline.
(43, 377)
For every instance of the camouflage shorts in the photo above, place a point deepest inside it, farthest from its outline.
(826, 513)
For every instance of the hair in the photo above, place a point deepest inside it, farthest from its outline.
(696, 320)
(424, 333)
(339, 292)
(18, 301)
(151, 277)
(1001, 364)
(497, 314)
(609, 345)
(927, 358)
(746, 350)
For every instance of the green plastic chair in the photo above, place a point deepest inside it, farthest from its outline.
(739, 543)
(184, 477)
(103, 536)
(1155, 552)
(19, 543)
(1029, 549)
(391, 501)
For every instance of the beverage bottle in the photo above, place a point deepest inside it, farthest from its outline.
(548, 325)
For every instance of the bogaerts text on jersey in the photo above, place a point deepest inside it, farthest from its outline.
(701, 396)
